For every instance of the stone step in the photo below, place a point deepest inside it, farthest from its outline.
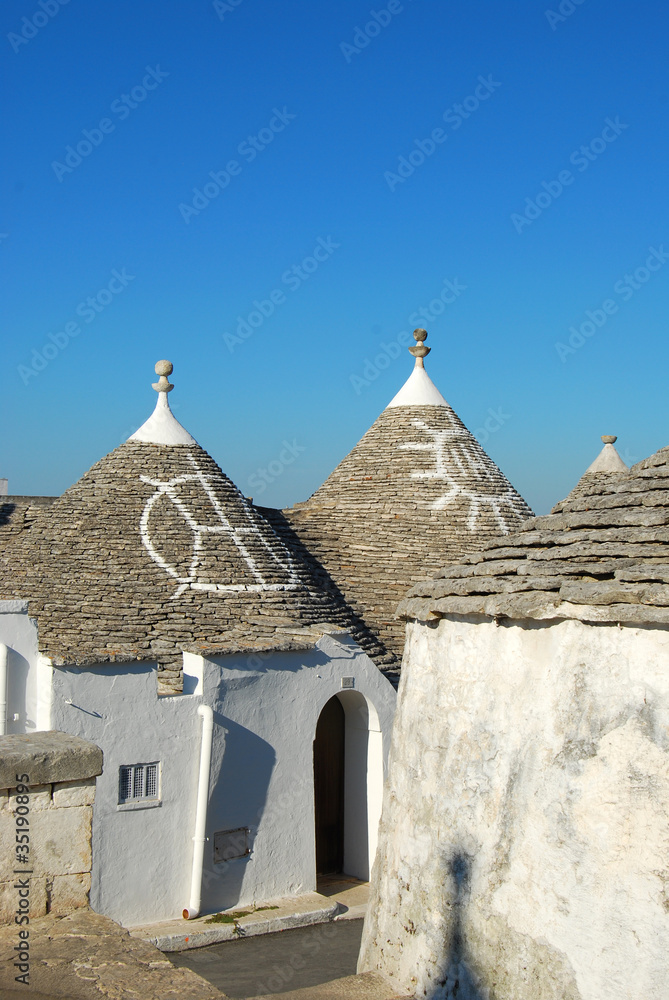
(367, 986)
(274, 915)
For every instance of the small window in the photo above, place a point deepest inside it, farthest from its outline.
(138, 783)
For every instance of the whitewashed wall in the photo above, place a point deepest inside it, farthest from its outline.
(270, 707)
(141, 857)
(265, 713)
(19, 633)
(524, 845)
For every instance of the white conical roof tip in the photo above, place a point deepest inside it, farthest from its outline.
(608, 459)
(162, 427)
(419, 389)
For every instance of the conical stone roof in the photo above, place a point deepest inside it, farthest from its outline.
(608, 463)
(600, 556)
(154, 550)
(416, 492)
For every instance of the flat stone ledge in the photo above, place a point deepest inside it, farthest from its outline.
(47, 758)
(86, 956)
(291, 911)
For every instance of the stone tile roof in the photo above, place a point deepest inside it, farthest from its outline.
(153, 551)
(607, 463)
(17, 513)
(600, 555)
(358, 618)
(417, 491)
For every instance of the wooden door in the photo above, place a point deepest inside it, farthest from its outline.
(329, 788)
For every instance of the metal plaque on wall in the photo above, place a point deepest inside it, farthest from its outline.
(229, 844)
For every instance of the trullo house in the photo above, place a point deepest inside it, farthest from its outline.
(238, 683)
(524, 841)
(417, 491)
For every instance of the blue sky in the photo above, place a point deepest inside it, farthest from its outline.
(405, 144)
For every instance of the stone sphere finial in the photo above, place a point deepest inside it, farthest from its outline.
(420, 351)
(163, 368)
(609, 438)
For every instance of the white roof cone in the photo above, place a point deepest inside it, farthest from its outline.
(162, 427)
(419, 389)
(608, 459)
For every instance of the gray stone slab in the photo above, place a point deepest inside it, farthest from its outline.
(47, 758)
(88, 957)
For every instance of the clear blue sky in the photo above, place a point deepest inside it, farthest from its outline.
(337, 105)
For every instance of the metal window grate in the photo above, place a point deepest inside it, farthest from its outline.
(151, 781)
(125, 784)
(137, 782)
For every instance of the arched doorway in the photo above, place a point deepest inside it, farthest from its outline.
(329, 764)
(348, 785)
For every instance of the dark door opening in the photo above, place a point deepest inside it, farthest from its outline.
(329, 788)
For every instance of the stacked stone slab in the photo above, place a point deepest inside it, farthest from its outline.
(416, 492)
(606, 546)
(155, 551)
(47, 788)
(18, 513)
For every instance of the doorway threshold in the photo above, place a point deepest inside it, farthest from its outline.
(350, 893)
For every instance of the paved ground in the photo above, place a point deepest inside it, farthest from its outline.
(365, 987)
(276, 963)
(88, 957)
(350, 893)
(13, 995)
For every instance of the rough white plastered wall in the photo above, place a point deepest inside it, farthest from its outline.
(270, 708)
(19, 633)
(141, 857)
(524, 844)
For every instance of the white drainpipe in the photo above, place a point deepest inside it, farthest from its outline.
(193, 909)
(3, 689)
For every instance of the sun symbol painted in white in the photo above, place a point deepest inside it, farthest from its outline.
(168, 491)
(456, 459)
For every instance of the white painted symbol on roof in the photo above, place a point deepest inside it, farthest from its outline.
(456, 462)
(239, 535)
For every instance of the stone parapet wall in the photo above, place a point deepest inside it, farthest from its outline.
(47, 788)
